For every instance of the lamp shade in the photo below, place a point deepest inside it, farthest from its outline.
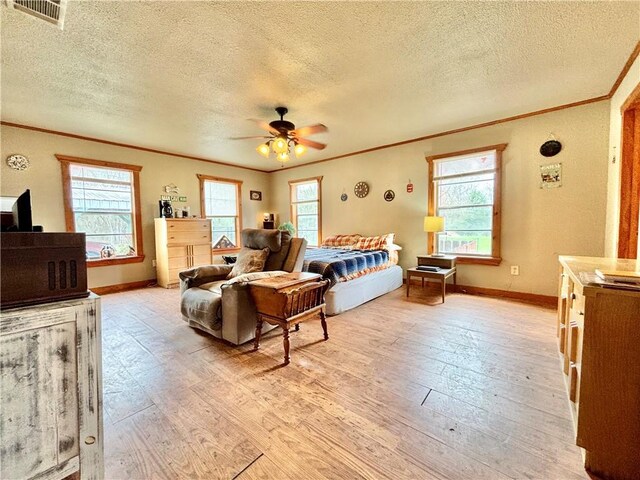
(263, 149)
(299, 150)
(434, 224)
(280, 145)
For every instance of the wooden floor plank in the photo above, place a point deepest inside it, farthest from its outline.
(262, 469)
(404, 388)
(497, 425)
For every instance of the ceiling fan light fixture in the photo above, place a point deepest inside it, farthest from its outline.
(283, 137)
(299, 150)
(283, 157)
(263, 149)
(280, 145)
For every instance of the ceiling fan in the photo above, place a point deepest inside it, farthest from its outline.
(284, 134)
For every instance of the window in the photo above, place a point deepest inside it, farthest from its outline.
(220, 201)
(465, 190)
(102, 199)
(306, 209)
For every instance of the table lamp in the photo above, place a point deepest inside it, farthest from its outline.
(433, 225)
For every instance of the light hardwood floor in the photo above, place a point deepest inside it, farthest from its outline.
(469, 389)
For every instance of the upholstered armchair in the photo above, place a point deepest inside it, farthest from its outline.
(223, 307)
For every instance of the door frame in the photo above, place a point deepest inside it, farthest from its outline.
(629, 176)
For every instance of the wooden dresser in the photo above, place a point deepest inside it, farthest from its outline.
(51, 388)
(181, 243)
(599, 341)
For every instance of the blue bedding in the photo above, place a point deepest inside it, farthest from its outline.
(338, 265)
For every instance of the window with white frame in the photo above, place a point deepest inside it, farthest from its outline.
(465, 191)
(306, 209)
(102, 201)
(221, 203)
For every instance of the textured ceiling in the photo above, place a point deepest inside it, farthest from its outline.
(185, 76)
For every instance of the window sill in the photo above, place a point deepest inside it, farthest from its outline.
(492, 261)
(223, 251)
(107, 262)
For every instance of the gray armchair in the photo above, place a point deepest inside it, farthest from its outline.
(224, 308)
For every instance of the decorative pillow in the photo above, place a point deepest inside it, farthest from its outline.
(341, 241)
(249, 260)
(380, 242)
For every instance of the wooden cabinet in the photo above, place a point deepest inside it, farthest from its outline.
(599, 342)
(181, 243)
(51, 385)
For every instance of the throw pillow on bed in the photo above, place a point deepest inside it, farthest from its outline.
(380, 242)
(346, 242)
(249, 260)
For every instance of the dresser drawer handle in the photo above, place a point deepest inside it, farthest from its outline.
(581, 313)
(573, 296)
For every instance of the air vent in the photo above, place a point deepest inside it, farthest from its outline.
(51, 11)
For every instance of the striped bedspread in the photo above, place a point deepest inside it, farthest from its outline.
(341, 265)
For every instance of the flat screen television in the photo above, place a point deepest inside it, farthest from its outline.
(19, 218)
(22, 212)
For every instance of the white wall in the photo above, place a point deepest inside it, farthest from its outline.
(629, 82)
(537, 225)
(44, 179)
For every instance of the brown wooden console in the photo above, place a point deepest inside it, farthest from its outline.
(599, 342)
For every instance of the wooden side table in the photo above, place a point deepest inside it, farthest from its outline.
(447, 265)
(289, 300)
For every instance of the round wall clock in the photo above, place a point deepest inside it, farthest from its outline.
(389, 195)
(18, 162)
(361, 189)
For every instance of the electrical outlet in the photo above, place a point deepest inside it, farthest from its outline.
(153, 263)
(515, 270)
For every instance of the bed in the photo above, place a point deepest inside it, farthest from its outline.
(358, 268)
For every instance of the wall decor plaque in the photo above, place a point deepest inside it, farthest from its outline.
(18, 162)
(255, 195)
(551, 175)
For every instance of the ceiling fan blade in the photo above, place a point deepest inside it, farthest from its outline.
(311, 144)
(245, 138)
(310, 130)
(265, 126)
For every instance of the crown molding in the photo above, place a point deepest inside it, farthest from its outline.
(625, 69)
(128, 145)
(451, 132)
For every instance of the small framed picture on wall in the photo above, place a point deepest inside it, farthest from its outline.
(551, 175)
(255, 195)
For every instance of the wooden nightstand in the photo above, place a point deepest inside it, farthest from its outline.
(447, 265)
